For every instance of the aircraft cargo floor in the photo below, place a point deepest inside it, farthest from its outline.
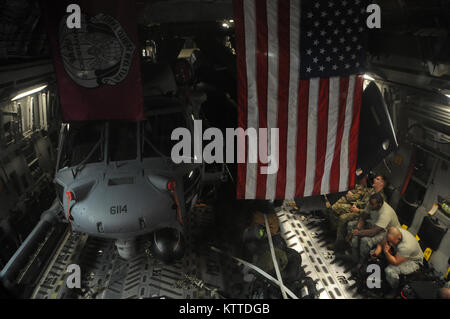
(202, 273)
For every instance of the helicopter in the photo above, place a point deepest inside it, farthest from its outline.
(115, 179)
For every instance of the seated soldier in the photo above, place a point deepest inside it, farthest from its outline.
(344, 213)
(346, 202)
(371, 228)
(408, 257)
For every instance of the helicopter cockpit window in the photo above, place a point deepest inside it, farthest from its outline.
(157, 131)
(122, 144)
(82, 140)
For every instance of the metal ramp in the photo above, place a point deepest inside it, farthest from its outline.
(305, 235)
(105, 275)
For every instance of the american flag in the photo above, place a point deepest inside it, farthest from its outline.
(299, 65)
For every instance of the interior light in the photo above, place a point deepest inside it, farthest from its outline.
(385, 145)
(29, 92)
(368, 77)
(225, 25)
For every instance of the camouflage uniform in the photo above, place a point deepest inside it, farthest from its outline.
(362, 204)
(343, 205)
(339, 213)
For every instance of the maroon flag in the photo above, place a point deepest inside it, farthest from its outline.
(298, 64)
(97, 65)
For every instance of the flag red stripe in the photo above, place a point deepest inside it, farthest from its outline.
(242, 88)
(335, 166)
(322, 132)
(302, 136)
(311, 150)
(353, 145)
(283, 91)
(261, 74)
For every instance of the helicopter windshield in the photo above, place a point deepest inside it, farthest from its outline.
(82, 144)
(122, 144)
(157, 131)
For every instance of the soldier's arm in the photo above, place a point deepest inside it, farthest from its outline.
(370, 232)
(379, 248)
(393, 260)
(356, 209)
(360, 223)
(362, 205)
(352, 196)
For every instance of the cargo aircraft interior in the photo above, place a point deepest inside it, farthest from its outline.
(245, 149)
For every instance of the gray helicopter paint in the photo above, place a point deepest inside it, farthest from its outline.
(126, 199)
(102, 191)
